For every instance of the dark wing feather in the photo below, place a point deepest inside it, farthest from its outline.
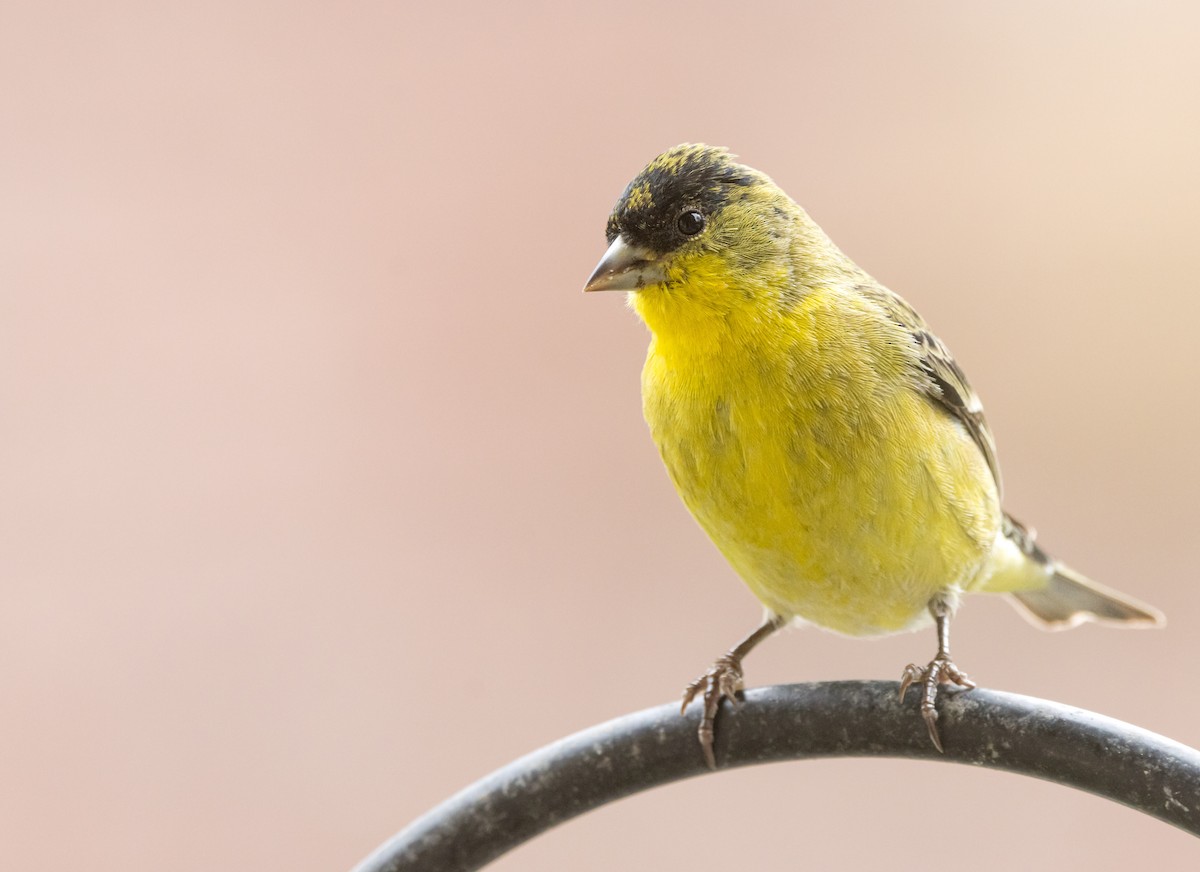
(944, 382)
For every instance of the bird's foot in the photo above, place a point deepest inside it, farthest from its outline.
(723, 680)
(941, 670)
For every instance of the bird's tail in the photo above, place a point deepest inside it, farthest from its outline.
(1068, 598)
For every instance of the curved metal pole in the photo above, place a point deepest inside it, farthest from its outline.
(988, 728)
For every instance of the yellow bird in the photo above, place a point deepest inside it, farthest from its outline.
(822, 436)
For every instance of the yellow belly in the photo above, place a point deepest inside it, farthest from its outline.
(837, 499)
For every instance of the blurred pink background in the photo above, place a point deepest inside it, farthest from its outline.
(326, 492)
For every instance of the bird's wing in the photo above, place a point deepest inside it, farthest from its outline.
(943, 381)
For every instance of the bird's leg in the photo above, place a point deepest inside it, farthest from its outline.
(941, 670)
(724, 680)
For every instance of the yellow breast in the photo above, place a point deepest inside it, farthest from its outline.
(839, 493)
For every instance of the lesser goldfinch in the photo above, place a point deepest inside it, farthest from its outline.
(821, 435)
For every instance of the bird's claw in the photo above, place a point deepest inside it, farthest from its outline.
(941, 670)
(723, 680)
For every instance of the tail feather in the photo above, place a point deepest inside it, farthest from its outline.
(1070, 599)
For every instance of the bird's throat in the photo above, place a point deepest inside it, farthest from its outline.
(700, 315)
(680, 326)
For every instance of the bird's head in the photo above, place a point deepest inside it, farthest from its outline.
(696, 227)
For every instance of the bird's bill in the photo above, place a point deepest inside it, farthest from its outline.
(626, 267)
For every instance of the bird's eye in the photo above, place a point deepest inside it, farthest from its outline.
(690, 222)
